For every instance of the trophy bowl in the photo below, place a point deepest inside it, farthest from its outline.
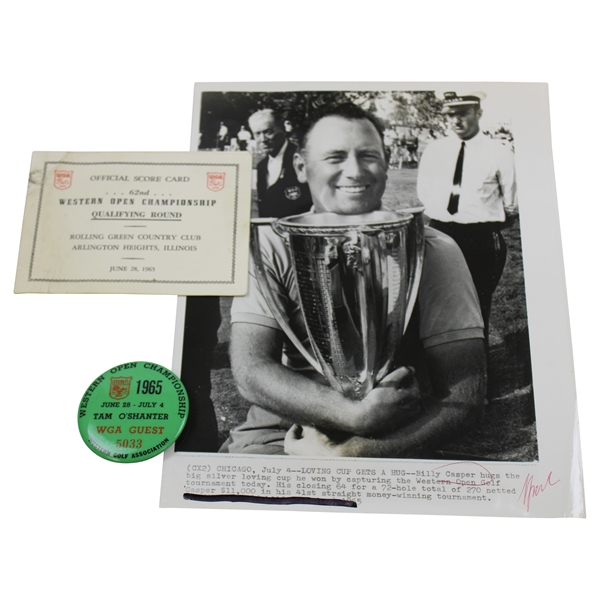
(357, 278)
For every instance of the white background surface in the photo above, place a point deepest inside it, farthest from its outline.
(90, 76)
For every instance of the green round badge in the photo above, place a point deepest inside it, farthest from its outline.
(133, 412)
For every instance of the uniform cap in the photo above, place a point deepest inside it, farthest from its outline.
(452, 100)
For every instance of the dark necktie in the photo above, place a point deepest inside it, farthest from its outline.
(454, 198)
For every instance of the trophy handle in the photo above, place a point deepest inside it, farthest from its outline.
(415, 255)
(269, 296)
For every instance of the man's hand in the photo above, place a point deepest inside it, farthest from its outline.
(457, 371)
(390, 405)
(393, 403)
(510, 219)
(308, 441)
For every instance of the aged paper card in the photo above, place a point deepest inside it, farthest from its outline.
(161, 223)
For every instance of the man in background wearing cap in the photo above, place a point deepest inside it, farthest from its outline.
(467, 184)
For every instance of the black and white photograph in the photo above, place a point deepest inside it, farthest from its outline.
(383, 356)
(378, 359)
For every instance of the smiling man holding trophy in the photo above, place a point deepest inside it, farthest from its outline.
(318, 345)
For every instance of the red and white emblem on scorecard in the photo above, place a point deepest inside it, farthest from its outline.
(216, 181)
(63, 179)
(119, 386)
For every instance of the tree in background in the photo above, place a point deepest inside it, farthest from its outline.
(427, 113)
(419, 111)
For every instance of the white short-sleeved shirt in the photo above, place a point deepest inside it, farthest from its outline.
(488, 188)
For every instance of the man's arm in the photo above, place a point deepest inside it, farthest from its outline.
(507, 181)
(458, 374)
(262, 380)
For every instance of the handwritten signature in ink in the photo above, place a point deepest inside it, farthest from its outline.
(530, 490)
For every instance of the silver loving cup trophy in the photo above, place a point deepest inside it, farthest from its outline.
(358, 278)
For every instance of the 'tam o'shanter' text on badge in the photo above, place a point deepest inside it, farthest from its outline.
(168, 223)
(133, 412)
